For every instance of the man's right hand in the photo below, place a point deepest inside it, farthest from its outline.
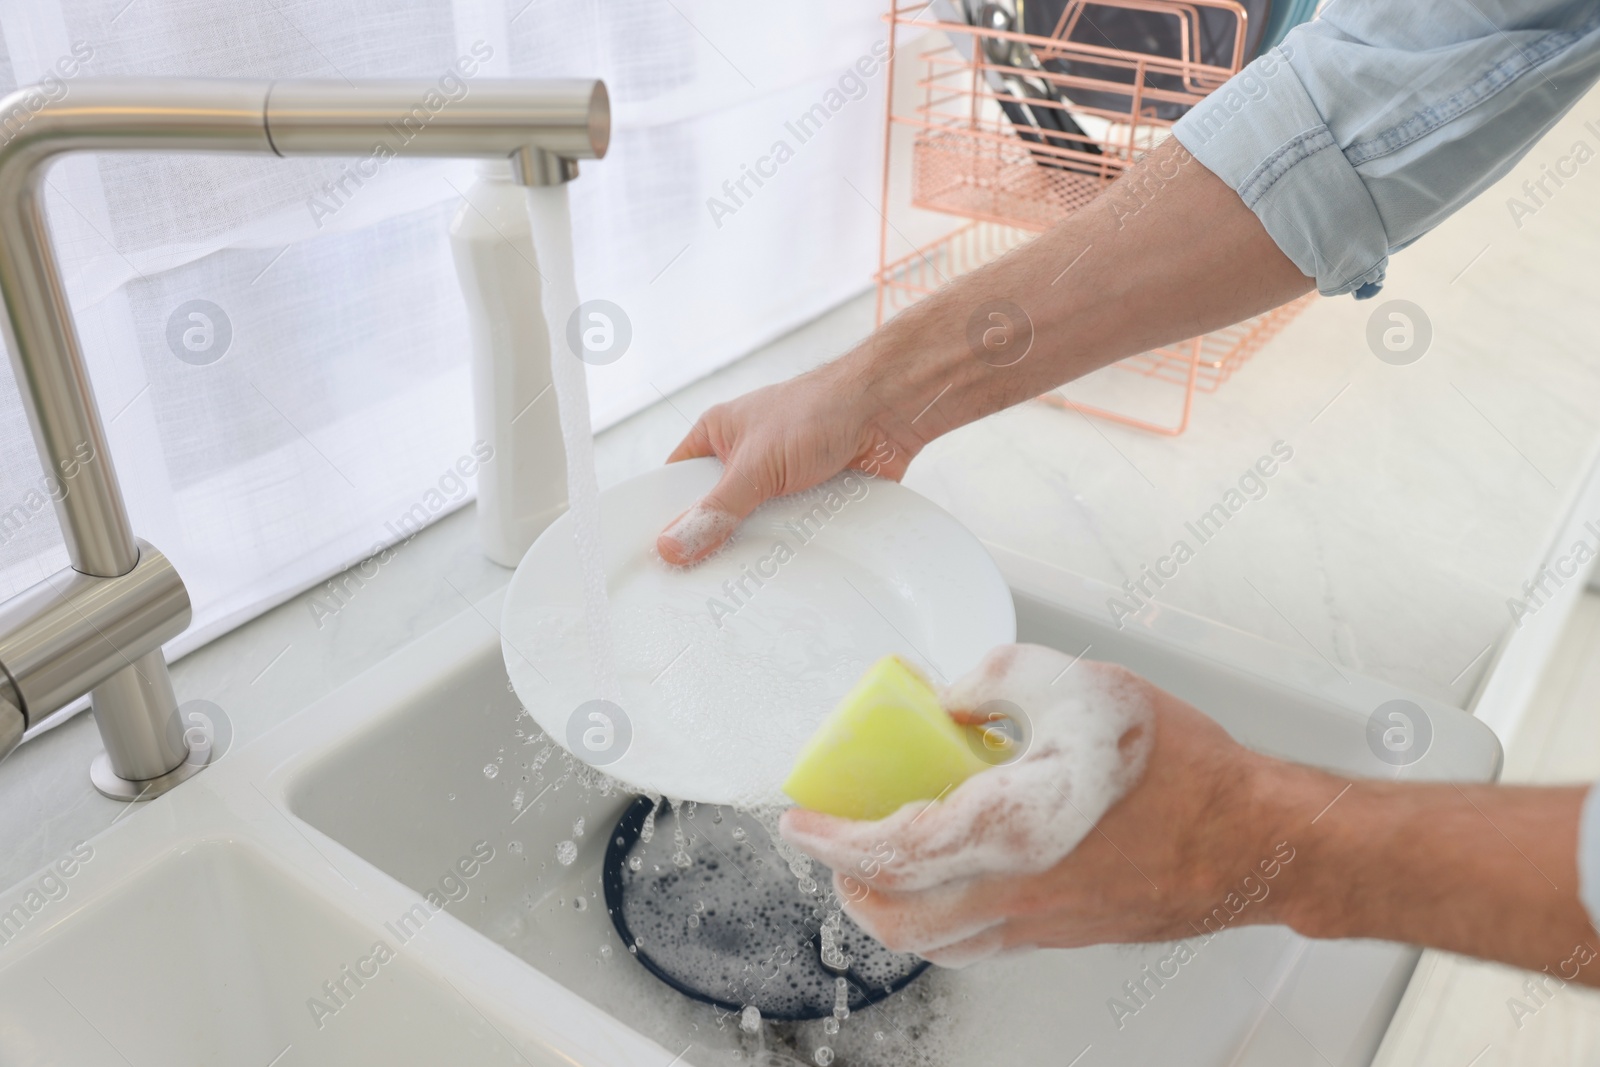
(780, 440)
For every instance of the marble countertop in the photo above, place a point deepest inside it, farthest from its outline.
(1419, 498)
(1416, 500)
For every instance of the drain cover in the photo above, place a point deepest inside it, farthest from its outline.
(734, 928)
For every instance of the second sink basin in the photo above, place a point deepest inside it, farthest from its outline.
(216, 955)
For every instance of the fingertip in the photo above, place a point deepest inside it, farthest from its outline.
(686, 450)
(669, 550)
(695, 444)
(668, 546)
(695, 534)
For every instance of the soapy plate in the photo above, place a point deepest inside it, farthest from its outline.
(727, 667)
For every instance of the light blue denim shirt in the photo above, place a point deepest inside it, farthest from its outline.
(1369, 126)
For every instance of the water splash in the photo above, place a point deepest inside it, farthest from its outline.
(833, 957)
(680, 856)
(648, 830)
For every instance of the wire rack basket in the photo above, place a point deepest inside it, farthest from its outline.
(994, 141)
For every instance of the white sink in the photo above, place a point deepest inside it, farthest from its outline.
(242, 891)
(216, 954)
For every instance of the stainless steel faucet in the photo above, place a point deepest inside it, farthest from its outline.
(98, 626)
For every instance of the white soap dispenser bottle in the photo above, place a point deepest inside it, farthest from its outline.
(522, 487)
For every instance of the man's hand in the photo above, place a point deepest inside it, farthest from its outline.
(779, 440)
(1013, 857)
(1101, 285)
(1210, 836)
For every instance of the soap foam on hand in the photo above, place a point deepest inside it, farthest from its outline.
(697, 529)
(1091, 736)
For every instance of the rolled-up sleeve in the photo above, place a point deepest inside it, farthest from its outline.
(1589, 855)
(1366, 128)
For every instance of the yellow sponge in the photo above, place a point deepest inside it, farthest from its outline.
(889, 742)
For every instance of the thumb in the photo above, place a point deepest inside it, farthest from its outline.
(703, 528)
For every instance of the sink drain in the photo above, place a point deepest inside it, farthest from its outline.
(711, 909)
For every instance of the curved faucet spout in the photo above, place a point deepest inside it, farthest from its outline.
(541, 126)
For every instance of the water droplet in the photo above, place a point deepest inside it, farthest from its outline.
(490, 770)
(750, 1019)
(823, 1056)
(566, 853)
(716, 814)
(581, 903)
(452, 796)
(830, 1025)
(635, 862)
(605, 952)
(577, 827)
(694, 921)
(514, 846)
(739, 833)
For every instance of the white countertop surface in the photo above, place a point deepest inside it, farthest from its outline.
(1419, 497)
(1417, 500)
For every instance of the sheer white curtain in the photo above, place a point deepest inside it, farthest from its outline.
(343, 394)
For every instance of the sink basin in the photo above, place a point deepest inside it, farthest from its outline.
(214, 954)
(412, 795)
(419, 808)
(430, 759)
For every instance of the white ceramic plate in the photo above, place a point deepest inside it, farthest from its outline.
(727, 667)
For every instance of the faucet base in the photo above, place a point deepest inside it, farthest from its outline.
(108, 784)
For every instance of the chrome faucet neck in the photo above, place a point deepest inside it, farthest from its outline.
(117, 585)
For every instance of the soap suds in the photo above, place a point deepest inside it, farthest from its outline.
(1092, 733)
(698, 529)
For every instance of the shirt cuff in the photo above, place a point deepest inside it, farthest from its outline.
(1589, 855)
(1261, 133)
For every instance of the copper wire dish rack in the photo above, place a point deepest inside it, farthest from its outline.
(968, 160)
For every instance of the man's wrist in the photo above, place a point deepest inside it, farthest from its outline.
(1280, 818)
(921, 374)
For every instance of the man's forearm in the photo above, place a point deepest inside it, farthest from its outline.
(1488, 871)
(1169, 252)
